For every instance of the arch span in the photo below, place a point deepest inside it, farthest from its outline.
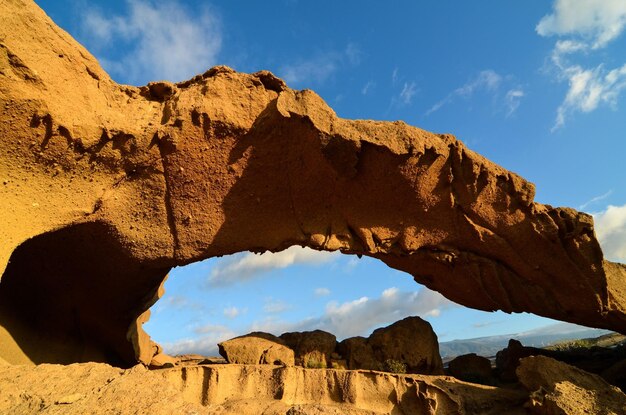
(169, 174)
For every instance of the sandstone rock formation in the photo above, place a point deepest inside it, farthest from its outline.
(411, 341)
(92, 388)
(358, 354)
(257, 349)
(608, 362)
(105, 187)
(559, 389)
(311, 348)
(472, 368)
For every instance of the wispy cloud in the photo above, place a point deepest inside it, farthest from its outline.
(321, 292)
(403, 90)
(319, 68)
(234, 312)
(595, 200)
(247, 266)
(165, 40)
(610, 226)
(408, 91)
(586, 26)
(485, 81)
(394, 76)
(367, 87)
(273, 306)
(487, 324)
(512, 100)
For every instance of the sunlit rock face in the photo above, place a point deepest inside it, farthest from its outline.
(104, 187)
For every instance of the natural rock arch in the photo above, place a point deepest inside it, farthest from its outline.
(108, 186)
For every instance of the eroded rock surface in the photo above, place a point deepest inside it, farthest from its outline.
(472, 368)
(257, 348)
(92, 388)
(311, 348)
(105, 187)
(560, 389)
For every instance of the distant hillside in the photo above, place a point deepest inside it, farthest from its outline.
(541, 337)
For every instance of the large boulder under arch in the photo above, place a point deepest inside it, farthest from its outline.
(105, 187)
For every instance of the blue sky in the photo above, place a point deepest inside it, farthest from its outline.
(538, 87)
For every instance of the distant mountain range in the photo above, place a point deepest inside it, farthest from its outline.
(541, 337)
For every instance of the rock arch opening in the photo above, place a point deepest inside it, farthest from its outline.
(209, 302)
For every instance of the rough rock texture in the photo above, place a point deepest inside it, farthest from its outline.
(92, 388)
(358, 354)
(560, 389)
(311, 348)
(472, 368)
(411, 341)
(104, 187)
(608, 362)
(255, 349)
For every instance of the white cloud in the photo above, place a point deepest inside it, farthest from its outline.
(273, 306)
(205, 344)
(394, 76)
(167, 41)
(588, 88)
(587, 25)
(512, 100)
(246, 266)
(596, 21)
(320, 67)
(361, 316)
(353, 53)
(610, 226)
(408, 91)
(487, 80)
(321, 292)
(367, 87)
(234, 312)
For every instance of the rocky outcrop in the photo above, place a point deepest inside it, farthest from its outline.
(105, 187)
(559, 389)
(257, 349)
(358, 354)
(472, 368)
(311, 348)
(608, 362)
(410, 343)
(92, 388)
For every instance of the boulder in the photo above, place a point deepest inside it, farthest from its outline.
(472, 368)
(358, 354)
(162, 360)
(257, 348)
(411, 341)
(557, 388)
(311, 348)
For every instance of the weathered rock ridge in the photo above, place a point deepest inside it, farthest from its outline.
(105, 187)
